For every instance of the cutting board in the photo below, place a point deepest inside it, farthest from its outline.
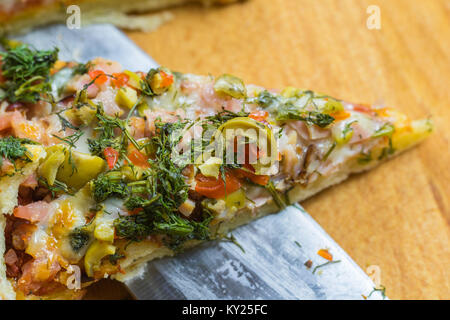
(397, 216)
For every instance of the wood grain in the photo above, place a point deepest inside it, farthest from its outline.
(398, 215)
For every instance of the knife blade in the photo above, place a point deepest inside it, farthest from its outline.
(275, 248)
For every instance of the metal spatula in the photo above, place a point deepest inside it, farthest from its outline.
(276, 247)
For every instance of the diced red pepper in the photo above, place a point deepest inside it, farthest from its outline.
(167, 79)
(111, 156)
(120, 79)
(259, 115)
(98, 76)
(249, 174)
(138, 159)
(216, 188)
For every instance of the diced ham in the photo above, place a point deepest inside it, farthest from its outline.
(210, 101)
(7, 166)
(12, 264)
(11, 257)
(78, 83)
(108, 100)
(137, 127)
(7, 118)
(29, 129)
(33, 212)
(37, 273)
(30, 181)
(163, 115)
(21, 234)
(52, 127)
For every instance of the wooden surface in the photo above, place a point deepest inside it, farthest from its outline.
(398, 215)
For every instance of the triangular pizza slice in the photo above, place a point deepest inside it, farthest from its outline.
(103, 169)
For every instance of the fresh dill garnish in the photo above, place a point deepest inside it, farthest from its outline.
(231, 238)
(135, 202)
(298, 244)
(225, 115)
(333, 146)
(113, 258)
(64, 122)
(146, 89)
(12, 148)
(386, 130)
(72, 139)
(325, 264)
(108, 137)
(78, 239)
(381, 289)
(348, 128)
(27, 73)
(108, 185)
(81, 68)
(277, 197)
(56, 188)
(287, 110)
(365, 157)
(387, 151)
(290, 112)
(264, 99)
(160, 192)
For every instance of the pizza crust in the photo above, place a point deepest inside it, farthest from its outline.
(9, 190)
(6, 289)
(96, 11)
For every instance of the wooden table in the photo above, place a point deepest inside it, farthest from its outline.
(398, 215)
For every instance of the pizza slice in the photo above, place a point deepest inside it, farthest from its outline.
(19, 16)
(104, 169)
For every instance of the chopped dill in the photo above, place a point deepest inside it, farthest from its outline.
(277, 197)
(325, 264)
(333, 146)
(81, 68)
(12, 148)
(381, 289)
(64, 122)
(231, 238)
(72, 139)
(27, 73)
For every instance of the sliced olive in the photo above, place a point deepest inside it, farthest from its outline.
(49, 168)
(79, 168)
(230, 85)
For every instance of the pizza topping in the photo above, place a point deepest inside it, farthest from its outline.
(325, 254)
(12, 149)
(26, 72)
(217, 188)
(98, 77)
(230, 85)
(111, 156)
(33, 212)
(157, 82)
(160, 157)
